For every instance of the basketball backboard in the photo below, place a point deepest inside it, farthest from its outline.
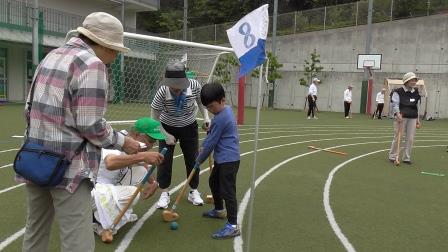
(369, 60)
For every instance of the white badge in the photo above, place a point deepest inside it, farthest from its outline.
(412, 100)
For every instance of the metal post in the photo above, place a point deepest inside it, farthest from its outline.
(369, 30)
(274, 44)
(35, 38)
(325, 16)
(428, 6)
(254, 168)
(215, 35)
(357, 11)
(295, 21)
(185, 20)
(365, 84)
(391, 10)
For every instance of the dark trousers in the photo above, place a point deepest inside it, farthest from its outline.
(379, 110)
(189, 141)
(347, 108)
(311, 105)
(222, 183)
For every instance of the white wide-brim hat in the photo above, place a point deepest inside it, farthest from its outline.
(105, 30)
(409, 76)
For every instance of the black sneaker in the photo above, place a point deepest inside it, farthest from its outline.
(407, 162)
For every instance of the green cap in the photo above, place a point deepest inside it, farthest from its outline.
(191, 75)
(150, 127)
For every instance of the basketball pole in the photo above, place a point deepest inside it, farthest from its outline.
(368, 79)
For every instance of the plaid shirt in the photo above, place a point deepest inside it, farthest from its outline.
(69, 104)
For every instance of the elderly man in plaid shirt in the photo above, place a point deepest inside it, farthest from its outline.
(68, 108)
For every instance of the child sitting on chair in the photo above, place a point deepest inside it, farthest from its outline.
(223, 139)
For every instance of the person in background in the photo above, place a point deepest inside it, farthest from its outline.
(312, 98)
(379, 104)
(347, 101)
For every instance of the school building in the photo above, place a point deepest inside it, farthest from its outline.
(57, 17)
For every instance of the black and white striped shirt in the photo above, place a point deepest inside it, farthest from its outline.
(165, 103)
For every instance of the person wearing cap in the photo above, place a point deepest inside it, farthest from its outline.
(379, 104)
(405, 102)
(119, 175)
(68, 107)
(312, 98)
(347, 101)
(175, 105)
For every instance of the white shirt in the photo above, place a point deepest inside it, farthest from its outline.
(106, 176)
(380, 98)
(312, 90)
(348, 95)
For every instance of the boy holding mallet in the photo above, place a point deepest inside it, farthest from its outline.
(223, 139)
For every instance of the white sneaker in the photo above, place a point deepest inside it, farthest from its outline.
(164, 200)
(195, 198)
(347, 117)
(309, 117)
(315, 117)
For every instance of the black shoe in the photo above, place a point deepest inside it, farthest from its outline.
(407, 162)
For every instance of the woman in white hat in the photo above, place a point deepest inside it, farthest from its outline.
(405, 102)
(67, 116)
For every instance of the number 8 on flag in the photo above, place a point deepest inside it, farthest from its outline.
(248, 39)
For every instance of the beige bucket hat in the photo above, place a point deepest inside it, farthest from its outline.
(409, 76)
(104, 29)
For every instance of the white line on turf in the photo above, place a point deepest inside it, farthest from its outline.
(5, 166)
(126, 241)
(12, 238)
(326, 197)
(17, 136)
(11, 188)
(238, 241)
(3, 151)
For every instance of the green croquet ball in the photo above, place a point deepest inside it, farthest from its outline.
(174, 225)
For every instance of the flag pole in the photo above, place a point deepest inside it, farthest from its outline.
(252, 186)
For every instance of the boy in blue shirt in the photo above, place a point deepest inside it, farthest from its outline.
(223, 139)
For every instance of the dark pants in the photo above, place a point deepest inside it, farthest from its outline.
(222, 183)
(311, 105)
(347, 108)
(189, 142)
(379, 110)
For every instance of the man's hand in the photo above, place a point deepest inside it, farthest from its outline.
(206, 125)
(150, 188)
(399, 118)
(130, 146)
(170, 139)
(152, 158)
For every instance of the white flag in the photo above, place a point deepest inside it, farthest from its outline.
(248, 39)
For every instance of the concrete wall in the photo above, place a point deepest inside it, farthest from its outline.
(418, 45)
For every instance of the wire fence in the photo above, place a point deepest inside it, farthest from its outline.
(330, 17)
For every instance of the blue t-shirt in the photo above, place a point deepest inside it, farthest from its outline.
(223, 139)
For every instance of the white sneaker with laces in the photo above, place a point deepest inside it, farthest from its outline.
(195, 198)
(164, 200)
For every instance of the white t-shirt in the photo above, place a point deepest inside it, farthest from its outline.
(106, 176)
(312, 90)
(379, 98)
(348, 95)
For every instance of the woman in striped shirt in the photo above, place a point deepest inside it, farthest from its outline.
(175, 105)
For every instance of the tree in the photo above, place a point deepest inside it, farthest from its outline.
(311, 68)
(273, 71)
(224, 71)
